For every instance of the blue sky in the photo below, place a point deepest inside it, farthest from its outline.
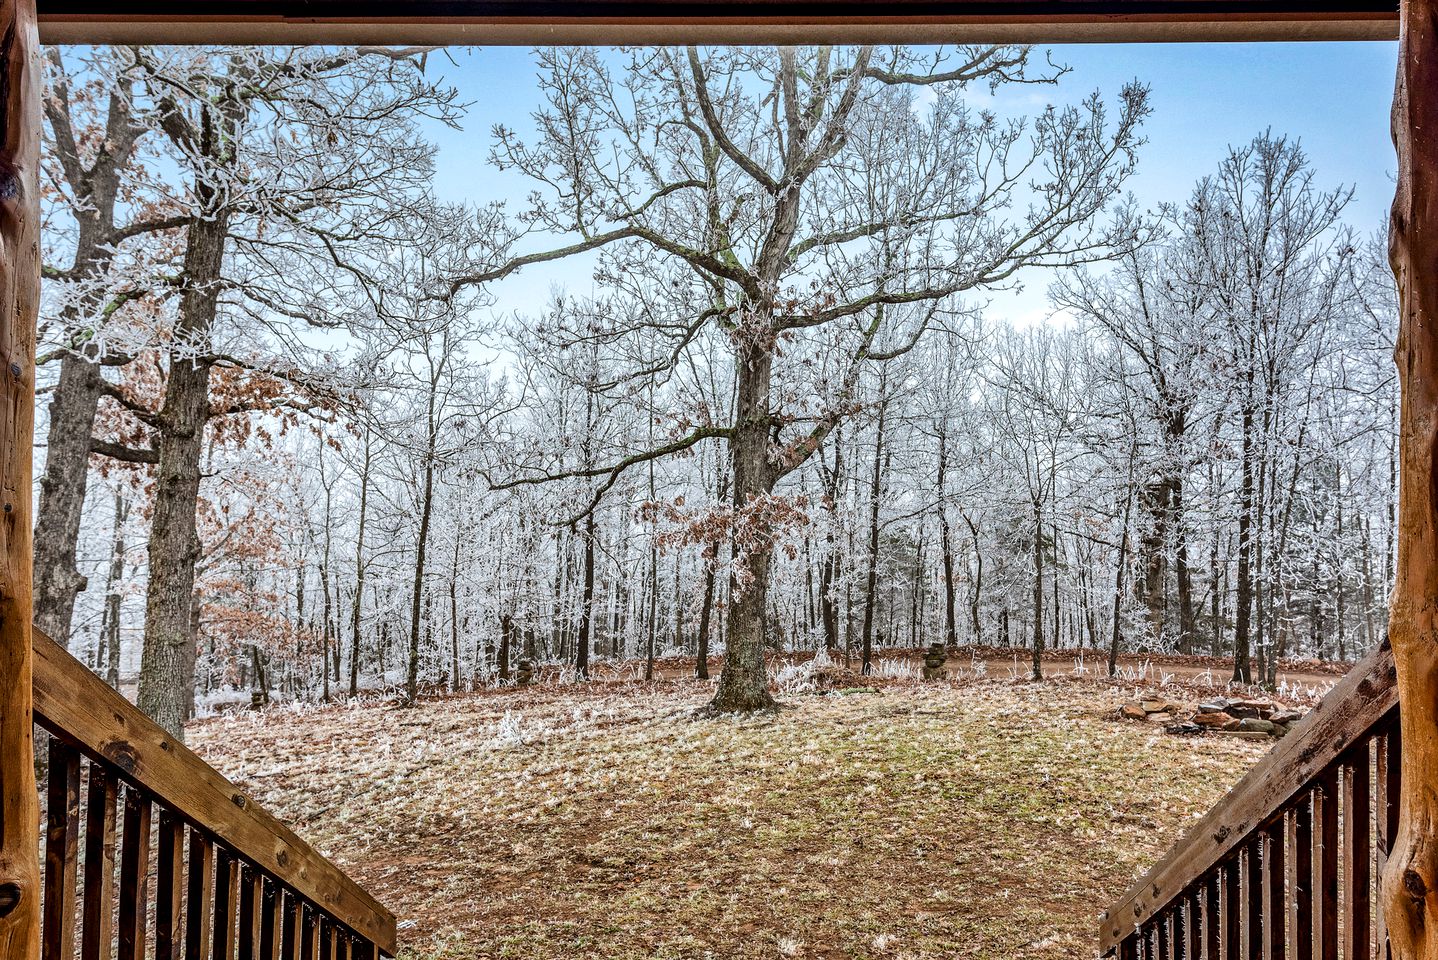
(1334, 97)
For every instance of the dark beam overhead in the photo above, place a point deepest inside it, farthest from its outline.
(712, 21)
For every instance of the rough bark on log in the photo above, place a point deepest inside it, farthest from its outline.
(19, 303)
(1410, 879)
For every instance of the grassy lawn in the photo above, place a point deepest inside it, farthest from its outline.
(983, 818)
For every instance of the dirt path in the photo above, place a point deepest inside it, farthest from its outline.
(1313, 679)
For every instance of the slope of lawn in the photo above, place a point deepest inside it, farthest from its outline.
(978, 818)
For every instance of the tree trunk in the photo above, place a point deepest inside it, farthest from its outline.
(454, 617)
(1038, 644)
(95, 183)
(586, 603)
(411, 683)
(701, 665)
(167, 691)
(506, 642)
(1152, 560)
(360, 568)
(110, 631)
(1116, 636)
(744, 682)
(327, 601)
(872, 578)
(975, 594)
(58, 581)
(1339, 586)
(1242, 665)
(1183, 574)
(1410, 880)
(653, 570)
(829, 572)
(951, 633)
(20, 290)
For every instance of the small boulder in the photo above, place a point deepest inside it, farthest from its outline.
(1287, 716)
(1157, 706)
(1214, 706)
(1256, 725)
(1132, 711)
(1216, 721)
(1160, 718)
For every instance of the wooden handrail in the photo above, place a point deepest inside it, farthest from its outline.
(1358, 706)
(75, 706)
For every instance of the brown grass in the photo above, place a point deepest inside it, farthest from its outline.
(985, 818)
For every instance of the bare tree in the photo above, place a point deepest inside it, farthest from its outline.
(806, 200)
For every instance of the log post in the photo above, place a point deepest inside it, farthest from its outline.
(1410, 880)
(19, 301)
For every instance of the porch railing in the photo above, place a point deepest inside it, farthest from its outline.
(230, 882)
(1286, 865)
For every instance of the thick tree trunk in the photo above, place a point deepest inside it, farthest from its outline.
(62, 495)
(95, 183)
(744, 681)
(1410, 880)
(167, 691)
(19, 305)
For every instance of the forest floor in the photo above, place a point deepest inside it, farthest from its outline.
(979, 817)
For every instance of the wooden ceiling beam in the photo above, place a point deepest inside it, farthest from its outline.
(499, 22)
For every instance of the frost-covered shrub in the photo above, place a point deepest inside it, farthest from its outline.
(510, 732)
(897, 670)
(799, 677)
(795, 678)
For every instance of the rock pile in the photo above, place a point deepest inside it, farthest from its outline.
(1245, 718)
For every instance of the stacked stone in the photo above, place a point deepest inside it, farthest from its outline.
(1238, 717)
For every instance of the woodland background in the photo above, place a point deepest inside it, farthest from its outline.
(297, 448)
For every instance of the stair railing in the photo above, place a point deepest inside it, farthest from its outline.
(1287, 864)
(230, 882)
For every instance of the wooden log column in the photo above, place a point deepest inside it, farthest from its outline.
(19, 301)
(1410, 880)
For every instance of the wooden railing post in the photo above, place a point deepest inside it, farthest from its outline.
(19, 302)
(1410, 879)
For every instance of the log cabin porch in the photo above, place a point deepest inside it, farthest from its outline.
(1326, 849)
